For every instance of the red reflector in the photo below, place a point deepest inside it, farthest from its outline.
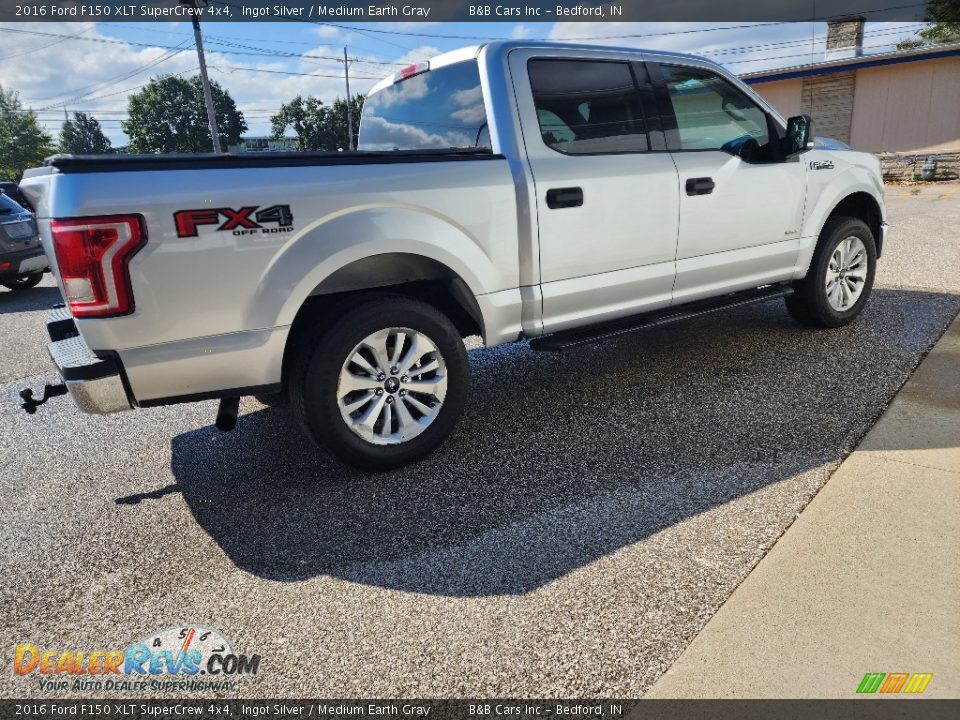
(411, 70)
(4, 266)
(92, 258)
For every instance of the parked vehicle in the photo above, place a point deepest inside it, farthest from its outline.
(12, 190)
(511, 190)
(22, 260)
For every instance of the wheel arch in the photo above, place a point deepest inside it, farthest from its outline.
(862, 206)
(397, 273)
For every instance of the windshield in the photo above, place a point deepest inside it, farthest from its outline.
(436, 110)
(8, 206)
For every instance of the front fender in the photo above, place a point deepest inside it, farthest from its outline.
(334, 241)
(826, 189)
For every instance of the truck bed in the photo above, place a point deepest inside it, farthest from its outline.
(213, 161)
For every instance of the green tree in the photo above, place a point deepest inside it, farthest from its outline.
(169, 116)
(306, 117)
(83, 136)
(318, 126)
(23, 143)
(944, 19)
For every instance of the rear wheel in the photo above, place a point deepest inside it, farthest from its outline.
(841, 275)
(383, 385)
(23, 282)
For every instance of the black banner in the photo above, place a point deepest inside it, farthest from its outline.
(876, 709)
(357, 11)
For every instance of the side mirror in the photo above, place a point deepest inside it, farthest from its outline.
(800, 136)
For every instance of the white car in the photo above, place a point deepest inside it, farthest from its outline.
(511, 190)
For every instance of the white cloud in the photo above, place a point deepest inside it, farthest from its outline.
(88, 74)
(325, 31)
(470, 115)
(467, 96)
(521, 32)
(381, 134)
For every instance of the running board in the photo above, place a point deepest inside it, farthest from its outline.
(569, 339)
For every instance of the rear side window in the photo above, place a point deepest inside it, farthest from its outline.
(436, 110)
(588, 107)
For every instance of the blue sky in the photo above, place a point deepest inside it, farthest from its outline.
(263, 65)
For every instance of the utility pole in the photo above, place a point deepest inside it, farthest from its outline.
(204, 80)
(346, 75)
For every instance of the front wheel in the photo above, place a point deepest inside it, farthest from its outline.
(383, 385)
(841, 275)
(23, 282)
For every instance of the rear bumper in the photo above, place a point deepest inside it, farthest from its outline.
(19, 258)
(95, 382)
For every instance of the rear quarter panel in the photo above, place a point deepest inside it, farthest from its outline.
(212, 312)
(223, 281)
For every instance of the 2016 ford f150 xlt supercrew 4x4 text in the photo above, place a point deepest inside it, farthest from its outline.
(514, 190)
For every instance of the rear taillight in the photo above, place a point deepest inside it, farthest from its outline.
(92, 256)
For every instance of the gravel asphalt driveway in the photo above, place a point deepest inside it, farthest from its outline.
(589, 515)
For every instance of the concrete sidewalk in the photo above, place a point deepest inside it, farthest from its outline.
(868, 577)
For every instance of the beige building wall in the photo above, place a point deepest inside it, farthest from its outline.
(910, 107)
(784, 95)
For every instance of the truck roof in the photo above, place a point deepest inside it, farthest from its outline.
(505, 46)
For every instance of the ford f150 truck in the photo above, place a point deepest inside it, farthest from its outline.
(512, 190)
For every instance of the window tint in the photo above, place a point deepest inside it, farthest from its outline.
(712, 113)
(587, 107)
(436, 110)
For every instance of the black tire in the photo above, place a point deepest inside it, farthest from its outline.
(24, 282)
(321, 354)
(808, 304)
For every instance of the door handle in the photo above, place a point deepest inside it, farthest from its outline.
(700, 186)
(564, 197)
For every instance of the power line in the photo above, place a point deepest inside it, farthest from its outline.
(234, 68)
(812, 40)
(806, 54)
(42, 47)
(216, 38)
(105, 83)
(280, 53)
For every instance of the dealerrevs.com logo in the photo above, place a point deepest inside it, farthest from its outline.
(189, 657)
(893, 683)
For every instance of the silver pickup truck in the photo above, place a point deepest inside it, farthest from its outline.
(512, 190)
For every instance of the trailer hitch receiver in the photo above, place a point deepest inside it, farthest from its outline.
(30, 405)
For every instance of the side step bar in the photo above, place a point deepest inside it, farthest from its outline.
(569, 339)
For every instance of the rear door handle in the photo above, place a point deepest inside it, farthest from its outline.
(564, 197)
(700, 186)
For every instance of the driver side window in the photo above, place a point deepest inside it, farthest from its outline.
(712, 114)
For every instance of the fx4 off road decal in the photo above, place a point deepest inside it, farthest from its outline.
(248, 220)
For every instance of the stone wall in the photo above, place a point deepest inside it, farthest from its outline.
(907, 166)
